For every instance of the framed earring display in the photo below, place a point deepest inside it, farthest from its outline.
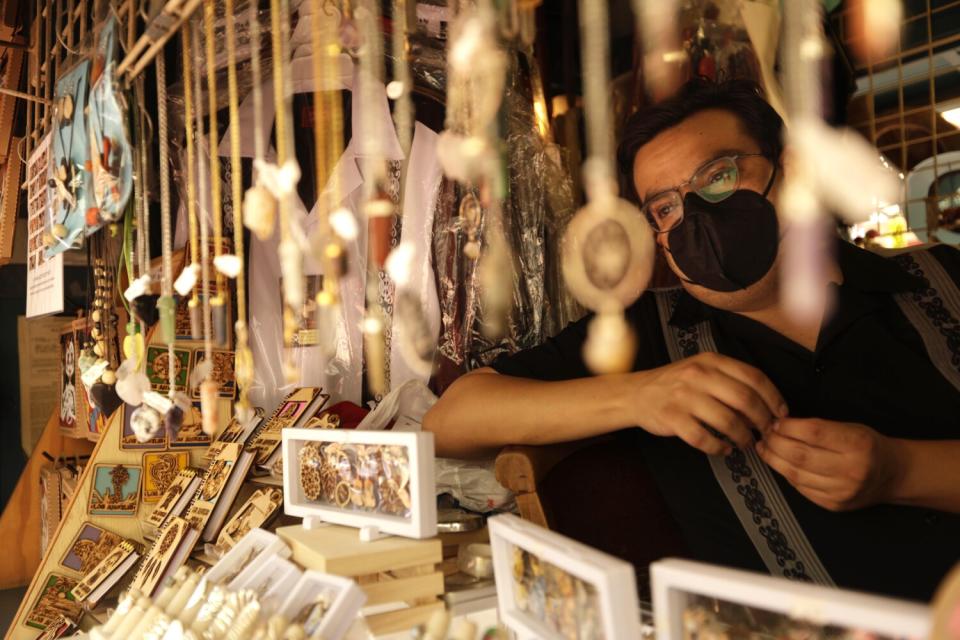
(693, 599)
(245, 559)
(378, 481)
(552, 587)
(272, 581)
(325, 605)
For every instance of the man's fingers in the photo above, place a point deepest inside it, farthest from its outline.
(695, 435)
(794, 475)
(737, 395)
(756, 380)
(819, 433)
(718, 415)
(804, 456)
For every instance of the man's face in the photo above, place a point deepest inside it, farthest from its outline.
(674, 155)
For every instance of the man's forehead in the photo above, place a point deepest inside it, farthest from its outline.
(675, 153)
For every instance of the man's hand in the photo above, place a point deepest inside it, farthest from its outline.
(837, 465)
(706, 390)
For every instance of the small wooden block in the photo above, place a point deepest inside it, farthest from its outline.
(339, 550)
(404, 589)
(402, 619)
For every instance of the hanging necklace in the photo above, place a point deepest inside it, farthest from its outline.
(180, 404)
(259, 203)
(328, 135)
(608, 246)
(186, 282)
(208, 387)
(291, 260)
(243, 357)
(218, 303)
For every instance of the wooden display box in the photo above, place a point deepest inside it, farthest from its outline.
(392, 572)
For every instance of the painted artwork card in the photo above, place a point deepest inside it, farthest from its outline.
(128, 440)
(115, 490)
(159, 364)
(55, 600)
(223, 374)
(91, 545)
(160, 470)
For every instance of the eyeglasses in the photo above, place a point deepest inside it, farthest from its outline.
(714, 182)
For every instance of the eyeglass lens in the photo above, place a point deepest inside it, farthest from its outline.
(714, 182)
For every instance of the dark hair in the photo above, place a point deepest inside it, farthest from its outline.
(743, 98)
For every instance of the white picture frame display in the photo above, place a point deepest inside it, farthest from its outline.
(342, 600)
(381, 482)
(775, 604)
(528, 564)
(246, 557)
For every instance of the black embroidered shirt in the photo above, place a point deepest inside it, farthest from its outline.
(869, 366)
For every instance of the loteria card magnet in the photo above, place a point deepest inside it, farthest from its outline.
(115, 490)
(55, 600)
(91, 545)
(160, 470)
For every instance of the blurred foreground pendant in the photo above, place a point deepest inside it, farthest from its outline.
(608, 248)
(208, 406)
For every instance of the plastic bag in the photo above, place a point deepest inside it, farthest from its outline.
(472, 482)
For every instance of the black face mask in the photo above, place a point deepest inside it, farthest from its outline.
(727, 245)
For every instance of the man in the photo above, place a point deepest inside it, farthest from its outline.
(824, 450)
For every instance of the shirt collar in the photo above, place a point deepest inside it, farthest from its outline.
(862, 271)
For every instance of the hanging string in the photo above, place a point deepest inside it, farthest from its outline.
(257, 80)
(401, 87)
(204, 223)
(209, 16)
(594, 29)
(166, 283)
(290, 258)
(243, 373)
(188, 98)
(321, 104)
(143, 225)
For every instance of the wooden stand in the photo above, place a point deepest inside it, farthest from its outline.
(391, 571)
